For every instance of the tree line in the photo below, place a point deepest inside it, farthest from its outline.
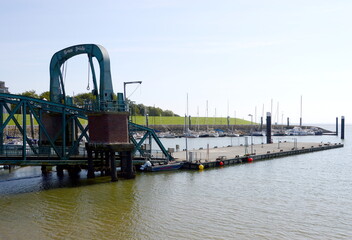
(81, 98)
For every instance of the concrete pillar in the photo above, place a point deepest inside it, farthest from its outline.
(268, 127)
(343, 127)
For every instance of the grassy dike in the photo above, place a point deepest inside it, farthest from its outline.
(161, 120)
(156, 120)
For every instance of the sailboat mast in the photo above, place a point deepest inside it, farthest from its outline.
(207, 117)
(277, 113)
(300, 118)
(198, 118)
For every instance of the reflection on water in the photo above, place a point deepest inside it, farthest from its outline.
(298, 197)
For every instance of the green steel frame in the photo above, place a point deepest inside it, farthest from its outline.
(15, 103)
(70, 115)
(104, 95)
(36, 107)
(148, 134)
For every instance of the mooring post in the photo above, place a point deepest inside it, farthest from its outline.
(288, 122)
(337, 126)
(268, 127)
(342, 127)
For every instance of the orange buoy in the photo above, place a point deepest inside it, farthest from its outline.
(221, 163)
(250, 159)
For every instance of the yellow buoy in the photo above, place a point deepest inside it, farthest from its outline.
(201, 167)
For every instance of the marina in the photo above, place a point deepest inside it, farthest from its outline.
(303, 196)
(107, 177)
(175, 120)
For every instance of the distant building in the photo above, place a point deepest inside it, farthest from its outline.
(3, 89)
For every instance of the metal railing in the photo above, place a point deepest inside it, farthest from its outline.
(37, 151)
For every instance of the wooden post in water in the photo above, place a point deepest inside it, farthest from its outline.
(90, 173)
(59, 170)
(127, 171)
(288, 122)
(342, 127)
(337, 126)
(268, 127)
(113, 166)
(44, 170)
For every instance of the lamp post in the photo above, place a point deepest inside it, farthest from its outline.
(124, 87)
(124, 90)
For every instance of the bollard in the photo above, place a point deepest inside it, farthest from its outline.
(342, 127)
(268, 127)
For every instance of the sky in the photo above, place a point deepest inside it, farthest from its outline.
(238, 57)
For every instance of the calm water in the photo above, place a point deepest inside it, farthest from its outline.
(300, 197)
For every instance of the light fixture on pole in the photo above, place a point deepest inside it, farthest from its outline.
(124, 91)
(124, 87)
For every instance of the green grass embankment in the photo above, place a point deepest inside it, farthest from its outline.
(155, 120)
(19, 118)
(160, 120)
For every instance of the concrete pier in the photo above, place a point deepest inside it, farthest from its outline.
(237, 154)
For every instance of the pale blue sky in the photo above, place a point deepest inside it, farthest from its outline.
(237, 55)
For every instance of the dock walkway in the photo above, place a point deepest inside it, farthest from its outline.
(237, 154)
